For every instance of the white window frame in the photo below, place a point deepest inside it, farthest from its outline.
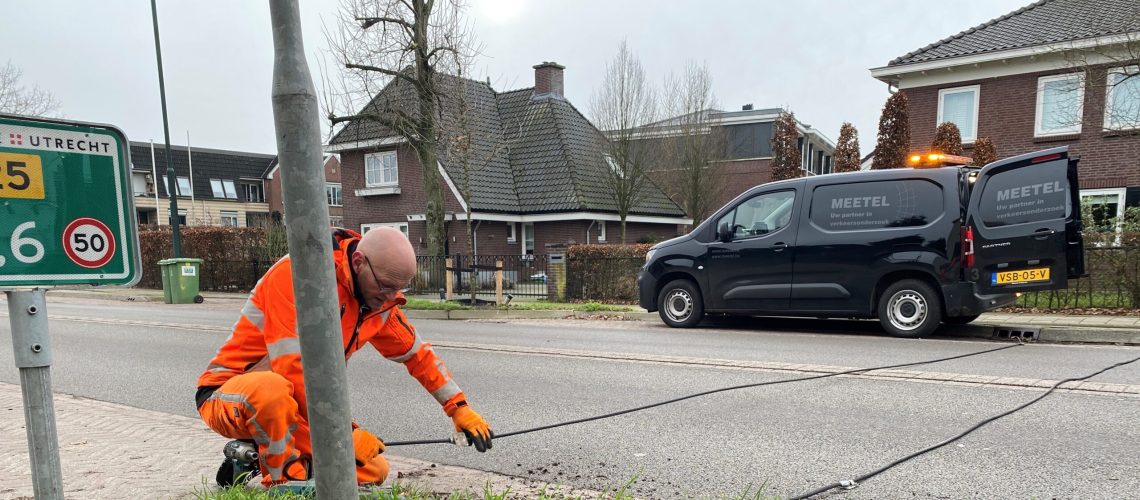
(231, 215)
(402, 226)
(380, 157)
(1109, 123)
(977, 90)
(601, 231)
(612, 163)
(512, 232)
(336, 188)
(248, 188)
(1121, 194)
(524, 243)
(1038, 116)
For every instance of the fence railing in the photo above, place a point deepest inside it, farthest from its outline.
(1113, 282)
(523, 275)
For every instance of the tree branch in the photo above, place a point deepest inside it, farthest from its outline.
(385, 71)
(368, 22)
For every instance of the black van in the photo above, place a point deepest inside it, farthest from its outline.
(914, 247)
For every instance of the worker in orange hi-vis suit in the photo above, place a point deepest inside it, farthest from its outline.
(254, 387)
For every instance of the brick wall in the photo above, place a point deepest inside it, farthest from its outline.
(1007, 110)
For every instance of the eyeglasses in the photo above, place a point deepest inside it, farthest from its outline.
(383, 290)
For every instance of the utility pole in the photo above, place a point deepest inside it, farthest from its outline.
(171, 179)
(297, 123)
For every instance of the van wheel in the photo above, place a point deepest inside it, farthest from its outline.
(960, 320)
(679, 304)
(910, 308)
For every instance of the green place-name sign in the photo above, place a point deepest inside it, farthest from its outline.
(67, 215)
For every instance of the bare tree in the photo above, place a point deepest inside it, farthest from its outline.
(786, 156)
(392, 53)
(624, 102)
(894, 133)
(947, 139)
(1108, 75)
(847, 156)
(20, 100)
(692, 142)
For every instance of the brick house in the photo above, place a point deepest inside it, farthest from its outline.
(333, 190)
(746, 137)
(537, 178)
(1055, 72)
(214, 187)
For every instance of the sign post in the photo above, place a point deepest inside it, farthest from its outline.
(69, 219)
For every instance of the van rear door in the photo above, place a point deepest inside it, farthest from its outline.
(1024, 222)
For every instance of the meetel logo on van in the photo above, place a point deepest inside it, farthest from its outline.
(1030, 190)
(860, 202)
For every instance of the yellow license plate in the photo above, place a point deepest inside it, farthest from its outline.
(1022, 276)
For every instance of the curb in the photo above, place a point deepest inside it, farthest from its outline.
(1052, 334)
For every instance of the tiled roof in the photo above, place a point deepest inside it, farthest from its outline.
(208, 164)
(1041, 23)
(531, 154)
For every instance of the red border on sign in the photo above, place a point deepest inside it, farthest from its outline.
(75, 257)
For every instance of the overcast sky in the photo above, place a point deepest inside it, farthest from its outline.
(811, 56)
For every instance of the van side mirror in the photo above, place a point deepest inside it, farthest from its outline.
(724, 233)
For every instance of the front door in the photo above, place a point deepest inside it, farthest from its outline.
(750, 262)
(1024, 216)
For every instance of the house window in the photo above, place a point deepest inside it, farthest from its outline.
(1059, 107)
(223, 189)
(332, 193)
(511, 238)
(183, 186)
(253, 192)
(229, 219)
(1122, 102)
(402, 226)
(181, 217)
(1106, 209)
(602, 231)
(380, 169)
(337, 221)
(528, 238)
(960, 107)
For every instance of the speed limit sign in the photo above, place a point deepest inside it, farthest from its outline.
(67, 203)
(88, 242)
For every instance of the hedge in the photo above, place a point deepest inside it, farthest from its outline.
(234, 258)
(604, 273)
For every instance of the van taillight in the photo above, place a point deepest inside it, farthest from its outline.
(968, 247)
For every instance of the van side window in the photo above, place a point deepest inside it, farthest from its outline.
(758, 215)
(876, 205)
(1024, 195)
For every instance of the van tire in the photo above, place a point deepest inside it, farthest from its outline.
(910, 308)
(960, 320)
(680, 305)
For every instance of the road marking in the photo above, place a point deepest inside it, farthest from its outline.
(962, 379)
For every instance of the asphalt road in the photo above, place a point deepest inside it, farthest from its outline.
(790, 438)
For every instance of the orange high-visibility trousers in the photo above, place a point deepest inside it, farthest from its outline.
(260, 406)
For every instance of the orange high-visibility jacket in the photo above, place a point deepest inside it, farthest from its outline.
(265, 337)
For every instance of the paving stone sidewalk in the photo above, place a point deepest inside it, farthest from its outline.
(112, 451)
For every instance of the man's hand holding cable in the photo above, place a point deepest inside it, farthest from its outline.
(473, 425)
(365, 446)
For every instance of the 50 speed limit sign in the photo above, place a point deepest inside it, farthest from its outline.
(88, 242)
(69, 215)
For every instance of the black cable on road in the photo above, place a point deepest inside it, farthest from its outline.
(706, 393)
(855, 482)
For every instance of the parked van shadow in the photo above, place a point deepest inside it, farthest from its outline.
(866, 327)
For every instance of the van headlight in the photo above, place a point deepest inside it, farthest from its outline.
(649, 255)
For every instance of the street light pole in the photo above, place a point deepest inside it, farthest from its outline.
(171, 179)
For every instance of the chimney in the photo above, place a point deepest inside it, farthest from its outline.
(548, 78)
(746, 107)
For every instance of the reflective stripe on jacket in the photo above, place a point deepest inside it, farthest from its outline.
(265, 336)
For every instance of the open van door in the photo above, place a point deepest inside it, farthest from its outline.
(1023, 224)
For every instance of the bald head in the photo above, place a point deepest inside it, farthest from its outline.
(392, 259)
